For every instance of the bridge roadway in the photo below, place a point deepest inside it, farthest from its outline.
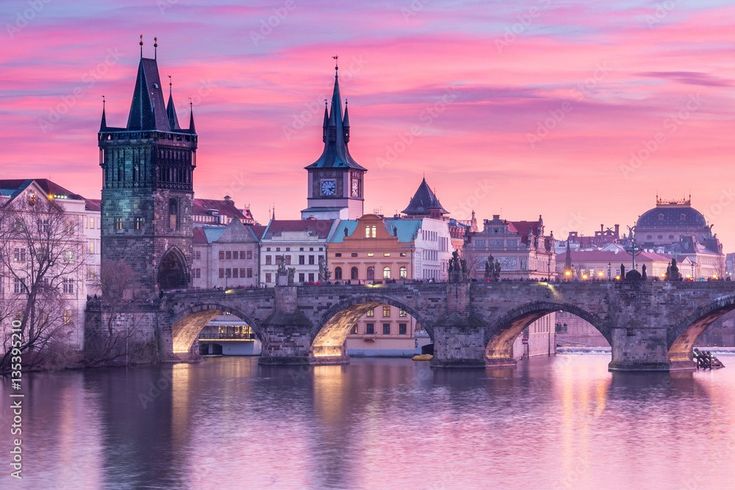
(651, 326)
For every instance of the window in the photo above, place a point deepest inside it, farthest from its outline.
(197, 273)
(173, 214)
(386, 311)
(386, 254)
(268, 260)
(268, 277)
(235, 272)
(403, 272)
(250, 254)
(369, 329)
(353, 331)
(370, 313)
(198, 254)
(338, 254)
(302, 277)
(338, 273)
(311, 277)
(402, 313)
(228, 255)
(402, 329)
(67, 316)
(287, 259)
(353, 273)
(228, 272)
(221, 273)
(302, 259)
(19, 254)
(386, 329)
(371, 273)
(222, 255)
(250, 272)
(18, 286)
(386, 272)
(139, 223)
(370, 231)
(353, 254)
(311, 259)
(67, 285)
(118, 224)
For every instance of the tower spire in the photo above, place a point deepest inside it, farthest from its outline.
(192, 129)
(141, 46)
(173, 120)
(103, 122)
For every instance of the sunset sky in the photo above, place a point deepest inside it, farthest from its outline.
(580, 111)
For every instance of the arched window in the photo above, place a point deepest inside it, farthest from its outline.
(173, 214)
(386, 272)
(354, 274)
(338, 273)
(403, 272)
(371, 273)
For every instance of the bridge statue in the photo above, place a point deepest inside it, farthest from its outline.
(457, 268)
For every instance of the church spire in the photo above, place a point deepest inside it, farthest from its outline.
(335, 133)
(103, 122)
(346, 124)
(173, 120)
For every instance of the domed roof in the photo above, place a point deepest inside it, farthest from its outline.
(672, 215)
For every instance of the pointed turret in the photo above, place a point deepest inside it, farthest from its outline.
(173, 120)
(325, 124)
(192, 128)
(424, 203)
(103, 122)
(346, 124)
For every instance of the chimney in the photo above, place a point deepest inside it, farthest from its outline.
(617, 231)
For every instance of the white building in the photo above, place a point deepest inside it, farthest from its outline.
(76, 276)
(225, 256)
(300, 244)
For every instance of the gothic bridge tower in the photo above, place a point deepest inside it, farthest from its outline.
(147, 187)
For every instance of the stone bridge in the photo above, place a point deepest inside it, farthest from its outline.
(651, 326)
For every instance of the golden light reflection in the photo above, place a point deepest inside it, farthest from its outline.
(329, 395)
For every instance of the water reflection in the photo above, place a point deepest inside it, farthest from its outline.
(228, 423)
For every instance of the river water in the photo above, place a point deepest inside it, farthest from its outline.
(563, 422)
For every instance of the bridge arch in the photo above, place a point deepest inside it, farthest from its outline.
(682, 337)
(501, 333)
(330, 334)
(187, 324)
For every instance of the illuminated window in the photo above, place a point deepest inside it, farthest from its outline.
(403, 272)
(402, 313)
(139, 223)
(118, 224)
(370, 313)
(386, 272)
(386, 311)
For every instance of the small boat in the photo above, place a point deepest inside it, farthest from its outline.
(422, 357)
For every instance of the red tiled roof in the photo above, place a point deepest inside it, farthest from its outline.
(199, 238)
(320, 227)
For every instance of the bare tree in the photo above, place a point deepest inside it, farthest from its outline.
(109, 344)
(41, 254)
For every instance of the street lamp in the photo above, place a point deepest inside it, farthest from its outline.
(633, 249)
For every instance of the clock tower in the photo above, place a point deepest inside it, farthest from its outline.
(335, 181)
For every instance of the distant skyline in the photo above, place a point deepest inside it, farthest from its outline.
(580, 112)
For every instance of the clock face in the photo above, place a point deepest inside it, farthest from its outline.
(328, 187)
(355, 188)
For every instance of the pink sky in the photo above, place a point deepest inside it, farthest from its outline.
(578, 112)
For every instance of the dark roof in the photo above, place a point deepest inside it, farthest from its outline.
(198, 237)
(335, 136)
(147, 110)
(523, 228)
(671, 216)
(15, 186)
(93, 204)
(424, 202)
(224, 207)
(173, 120)
(318, 227)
